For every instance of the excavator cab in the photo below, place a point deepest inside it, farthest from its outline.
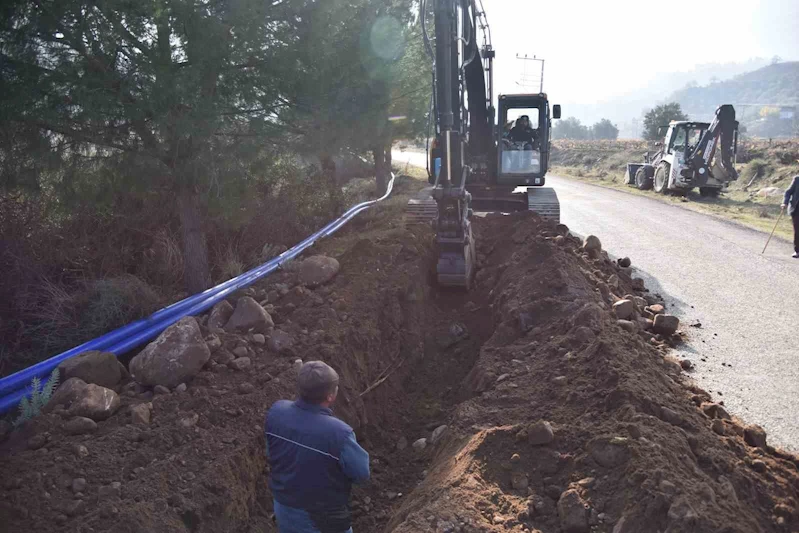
(522, 160)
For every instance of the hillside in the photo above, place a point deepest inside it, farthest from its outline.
(775, 87)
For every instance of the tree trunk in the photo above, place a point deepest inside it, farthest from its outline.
(197, 275)
(382, 168)
(329, 171)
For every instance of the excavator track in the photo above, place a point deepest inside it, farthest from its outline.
(540, 200)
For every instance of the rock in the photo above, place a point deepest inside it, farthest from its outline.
(666, 324)
(81, 451)
(181, 388)
(112, 491)
(249, 315)
(78, 484)
(559, 380)
(297, 365)
(644, 324)
(280, 341)
(681, 510)
(624, 309)
(318, 270)
(519, 481)
(100, 368)
(190, 421)
(66, 394)
(625, 262)
(670, 416)
(437, 434)
(223, 357)
(590, 316)
(766, 192)
(420, 445)
(559, 240)
(160, 390)
(627, 325)
(759, 465)
(402, 443)
(718, 427)
(176, 356)
(245, 388)
(259, 339)
(656, 309)
(714, 410)
(584, 334)
(609, 453)
(573, 512)
(242, 363)
(37, 441)
(240, 351)
(95, 402)
(80, 425)
(637, 284)
(755, 435)
(214, 343)
(540, 433)
(220, 314)
(140, 414)
(686, 364)
(592, 243)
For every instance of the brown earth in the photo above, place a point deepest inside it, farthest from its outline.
(631, 451)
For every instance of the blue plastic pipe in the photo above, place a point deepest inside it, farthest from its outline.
(124, 339)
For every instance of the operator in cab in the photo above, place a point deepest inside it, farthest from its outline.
(522, 132)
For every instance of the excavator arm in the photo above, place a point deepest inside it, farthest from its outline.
(714, 153)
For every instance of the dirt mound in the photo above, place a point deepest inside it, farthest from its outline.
(557, 418)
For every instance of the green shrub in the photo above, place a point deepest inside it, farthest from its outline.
(40, 395)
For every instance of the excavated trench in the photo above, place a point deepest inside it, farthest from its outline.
(625, 447)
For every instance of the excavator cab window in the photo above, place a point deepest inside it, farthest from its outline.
(678, 140)
(520, 140)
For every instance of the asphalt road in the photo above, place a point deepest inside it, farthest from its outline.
(709, 271)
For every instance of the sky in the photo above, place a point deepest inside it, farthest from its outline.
(596, 50)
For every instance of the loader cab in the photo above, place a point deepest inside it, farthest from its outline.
(523, 152)
(682, 137)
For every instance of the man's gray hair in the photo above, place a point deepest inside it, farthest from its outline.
(316, 381)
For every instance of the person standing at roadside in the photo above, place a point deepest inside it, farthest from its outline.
(791, 202)
(314, 457)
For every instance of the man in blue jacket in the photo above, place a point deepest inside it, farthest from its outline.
(314, 457)
(791, 201)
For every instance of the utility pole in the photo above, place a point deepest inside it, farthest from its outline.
(526, 82)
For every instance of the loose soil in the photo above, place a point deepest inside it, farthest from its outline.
(534, 340)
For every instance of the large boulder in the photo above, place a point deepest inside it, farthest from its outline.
(249, 315)
(624, 309)
(666, 324)
(174, 357)
(66, 394)
(100, 368)
(573, 512)
(95, 402)
(220, 314)
(318, 270)
(280, 341)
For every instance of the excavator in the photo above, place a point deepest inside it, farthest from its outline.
(482, 159)
(693, 154)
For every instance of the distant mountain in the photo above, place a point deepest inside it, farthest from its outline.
(775, 85)
(766, 100)
(627, 110)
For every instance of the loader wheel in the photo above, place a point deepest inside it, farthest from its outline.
(662, 178)
(711, 192)
(643, 180)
